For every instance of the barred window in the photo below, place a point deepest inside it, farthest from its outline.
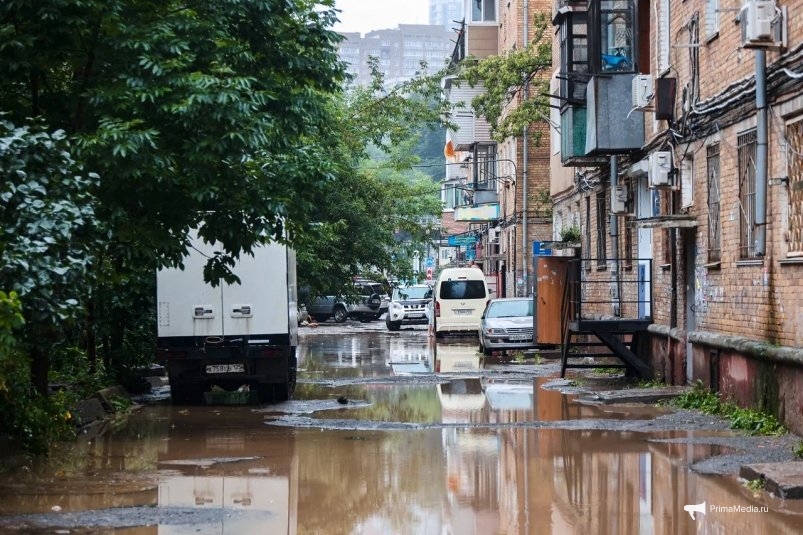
(627, 228)
(746, 144)
(714, 218)
(602, 213)
(794, 135)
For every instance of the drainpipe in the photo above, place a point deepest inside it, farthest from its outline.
(762, 134)
(524, 263)
(614, 232)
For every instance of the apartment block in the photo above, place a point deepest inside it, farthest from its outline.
(681, 147)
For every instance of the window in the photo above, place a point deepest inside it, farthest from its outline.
(794, 140)
(627, 230)
(462, 289)
(746, 152)
(573, 58)
(483, 10)
(485, 158)
(711, 18)
(602, 214)
(615, 43)
(714, 220)
(451, 196)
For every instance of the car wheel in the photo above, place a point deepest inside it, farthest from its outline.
(393, 325)
(340, 314)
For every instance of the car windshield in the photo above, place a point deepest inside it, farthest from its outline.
(510, 309)
(412, 292)
(473, 289)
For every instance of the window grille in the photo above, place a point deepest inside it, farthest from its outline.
(746, 144)
(794, 147)
(714, 217)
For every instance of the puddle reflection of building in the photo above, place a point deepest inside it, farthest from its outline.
(226, 468)
(408, 357)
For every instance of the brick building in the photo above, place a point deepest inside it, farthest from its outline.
(681, 154)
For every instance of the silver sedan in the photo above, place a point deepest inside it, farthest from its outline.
(507, 323)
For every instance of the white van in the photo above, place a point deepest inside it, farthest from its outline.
(460, 297)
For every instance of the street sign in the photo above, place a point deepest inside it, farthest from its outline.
(429, 274)
(429, 262)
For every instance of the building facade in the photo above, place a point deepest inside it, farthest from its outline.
(399, 51)
(505, 183)
(681, 154)
(445, 13)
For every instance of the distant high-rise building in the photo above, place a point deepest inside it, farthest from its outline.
(445, 12)
(400, 51)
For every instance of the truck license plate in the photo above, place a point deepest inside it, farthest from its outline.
(225, 368)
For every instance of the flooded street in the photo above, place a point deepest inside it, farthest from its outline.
(389, 434)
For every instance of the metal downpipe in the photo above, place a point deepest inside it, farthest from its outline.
(762, 135)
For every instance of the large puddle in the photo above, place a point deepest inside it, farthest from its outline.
(181, 470)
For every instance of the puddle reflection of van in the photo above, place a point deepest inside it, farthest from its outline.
(460, 297)
(456, 358)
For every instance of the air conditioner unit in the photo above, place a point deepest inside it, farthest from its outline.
(619, 199)
(642, 91)
(660, 169)
(758, 16)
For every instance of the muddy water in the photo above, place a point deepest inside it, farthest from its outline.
(465, 465)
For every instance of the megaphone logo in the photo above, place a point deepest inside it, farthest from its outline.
(699, 508)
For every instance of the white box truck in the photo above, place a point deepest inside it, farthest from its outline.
(237, 337)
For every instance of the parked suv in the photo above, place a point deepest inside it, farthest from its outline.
(372, 303)
(408, 306)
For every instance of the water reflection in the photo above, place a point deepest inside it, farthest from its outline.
(239, 476)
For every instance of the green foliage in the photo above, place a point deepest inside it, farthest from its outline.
(570, 234)
(754, 422)
(10, 320)
(33, 420)
(520, 77)
(798, 452)
(208, 114)
(652, 383)
(47, 219)
(756, 485)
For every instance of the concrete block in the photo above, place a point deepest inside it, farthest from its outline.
(784, 480)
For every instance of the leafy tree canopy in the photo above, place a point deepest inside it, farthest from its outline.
(202, 114)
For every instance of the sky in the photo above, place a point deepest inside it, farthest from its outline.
(365, 16)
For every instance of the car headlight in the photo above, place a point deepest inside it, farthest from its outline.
(396, 307)
(494, 331)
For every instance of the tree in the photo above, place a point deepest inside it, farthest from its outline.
(375, 197)
(208, 114)
(193, 115)
(49, 231)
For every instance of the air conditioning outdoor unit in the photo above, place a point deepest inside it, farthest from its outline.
(660, 169)
(642, 90)
(758, 17)
(619, 199)
(763, 24)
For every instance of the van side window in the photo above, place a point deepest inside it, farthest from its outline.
(462, 289)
